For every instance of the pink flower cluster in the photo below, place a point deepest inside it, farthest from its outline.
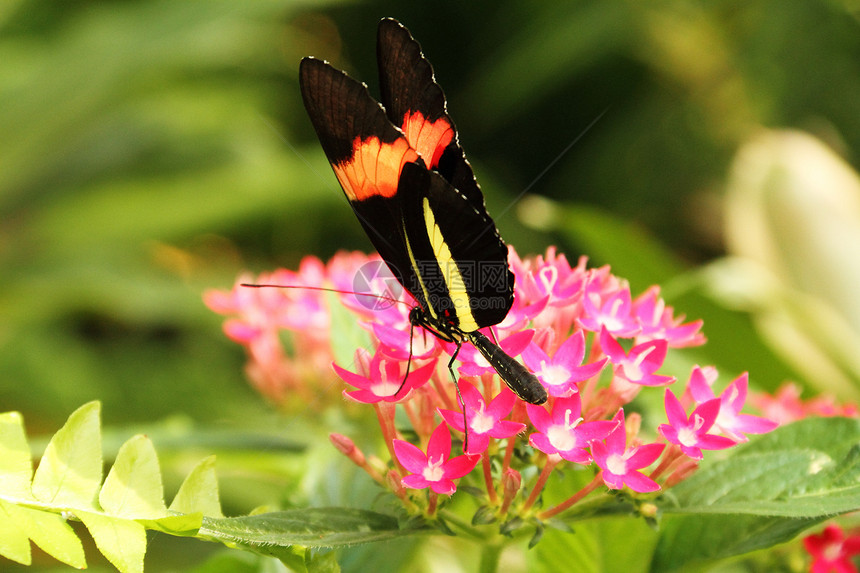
(786, 406)
(593, 346)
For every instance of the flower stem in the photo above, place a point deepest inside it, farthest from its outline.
(488, 477)
(491, 554)
(431, 505)
(385, 415)
(572, 499)
(544, 475)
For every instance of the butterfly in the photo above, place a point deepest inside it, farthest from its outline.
(407, 179)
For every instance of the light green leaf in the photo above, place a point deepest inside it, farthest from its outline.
(70, 472)
(558, 549)
(199, 491)
(16, 468)
(55, 537)
(133, 486)
(122, 541)
(14, 542)
(180, 524)
(324, 563)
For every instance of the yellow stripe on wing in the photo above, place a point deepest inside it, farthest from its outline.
(450, 272)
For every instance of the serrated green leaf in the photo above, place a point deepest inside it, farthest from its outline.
(70, 471)
(314, 527)
(16, 468)
(133, 486)
(122, 541)
(199, 491)
(14, 542)
(55, 537)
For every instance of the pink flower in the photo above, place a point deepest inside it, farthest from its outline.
(657, 322)
(382, 379)
(434, 470)
(730, 421)
(620, 465)
(551, 277)
(561, 373)
(400, 343)
(692, 433)
(639, 365)
(612, 312)
(831, 550)
(484, 421)
(563, 432)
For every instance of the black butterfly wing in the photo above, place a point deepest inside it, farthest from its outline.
(366, 153)
(416, 104)
(461, 262)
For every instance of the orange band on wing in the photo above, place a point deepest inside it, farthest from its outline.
(374, 168)
(428, 138)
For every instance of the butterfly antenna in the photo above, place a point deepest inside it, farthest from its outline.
(326, 289)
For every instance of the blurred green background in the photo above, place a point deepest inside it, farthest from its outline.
(152, 149)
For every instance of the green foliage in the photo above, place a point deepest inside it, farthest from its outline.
(763, 494)
(117, 512)
(68, 484)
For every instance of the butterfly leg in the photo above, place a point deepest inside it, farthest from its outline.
(409, 360)
(459, 396)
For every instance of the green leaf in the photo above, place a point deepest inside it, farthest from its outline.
(181, 524)
(324, 563)
(14, 542)
(133, 486)
(594, 547)
(687, 540)
(808, 469)
(199, 491)
(557, 550)
(16, 468)
(54, 536)
(316, 527)
(122, 541)
(765, 493)
(70, 471)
